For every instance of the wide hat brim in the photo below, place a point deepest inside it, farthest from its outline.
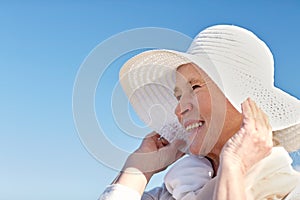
(148, 80)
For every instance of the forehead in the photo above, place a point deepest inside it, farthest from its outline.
(190, 72)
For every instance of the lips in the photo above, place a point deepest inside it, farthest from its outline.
(189, 126)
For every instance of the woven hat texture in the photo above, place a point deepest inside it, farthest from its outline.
(234, 58)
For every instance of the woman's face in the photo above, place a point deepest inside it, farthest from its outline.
(203, 109)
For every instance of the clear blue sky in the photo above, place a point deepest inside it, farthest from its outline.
(42, 46)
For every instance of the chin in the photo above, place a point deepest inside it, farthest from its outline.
(194, 149)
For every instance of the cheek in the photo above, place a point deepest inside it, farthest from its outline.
(197, 143)
(177, 112)
(204, 106)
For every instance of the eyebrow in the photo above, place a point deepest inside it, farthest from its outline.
(176, 89)
(191, 81)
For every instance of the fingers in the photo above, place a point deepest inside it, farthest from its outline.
(258, 116)
(254, 116)
(161, 142)
(253, 141)
(261, 121)
(253, 107)
(256, 121)
(249, 110)
(178, 145)
(156, 139)
(171, 152)
(249, 114)
(173, 147)
(153, 134)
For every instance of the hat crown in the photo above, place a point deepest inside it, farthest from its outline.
(236, 60)
(245, 66)
(236, 47)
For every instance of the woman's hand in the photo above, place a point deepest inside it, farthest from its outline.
(253, 141)
(154, 155)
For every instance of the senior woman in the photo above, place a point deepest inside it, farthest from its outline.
(216, 103)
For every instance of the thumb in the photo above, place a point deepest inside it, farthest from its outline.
(178, 144)
(178, 147)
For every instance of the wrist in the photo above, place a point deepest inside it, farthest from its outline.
(234, 166)
(132, 178)
(141, 163)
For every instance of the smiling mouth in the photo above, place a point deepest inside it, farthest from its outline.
(194, 125)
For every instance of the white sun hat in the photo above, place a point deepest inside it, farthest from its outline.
(235, 59)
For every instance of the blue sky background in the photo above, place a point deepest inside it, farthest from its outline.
(42, 45)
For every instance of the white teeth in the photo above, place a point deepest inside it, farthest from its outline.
(195, 125)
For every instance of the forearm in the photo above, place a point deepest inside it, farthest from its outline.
(128, 185)
(135, 173)
(133, 179)
(230, 184)
(151, 157)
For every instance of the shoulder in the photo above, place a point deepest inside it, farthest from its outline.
(158, 193)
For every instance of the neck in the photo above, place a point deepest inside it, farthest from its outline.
(232, 125)
(214, 160)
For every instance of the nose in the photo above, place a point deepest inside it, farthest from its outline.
(183, 107)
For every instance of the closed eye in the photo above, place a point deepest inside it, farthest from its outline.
(194, 87)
